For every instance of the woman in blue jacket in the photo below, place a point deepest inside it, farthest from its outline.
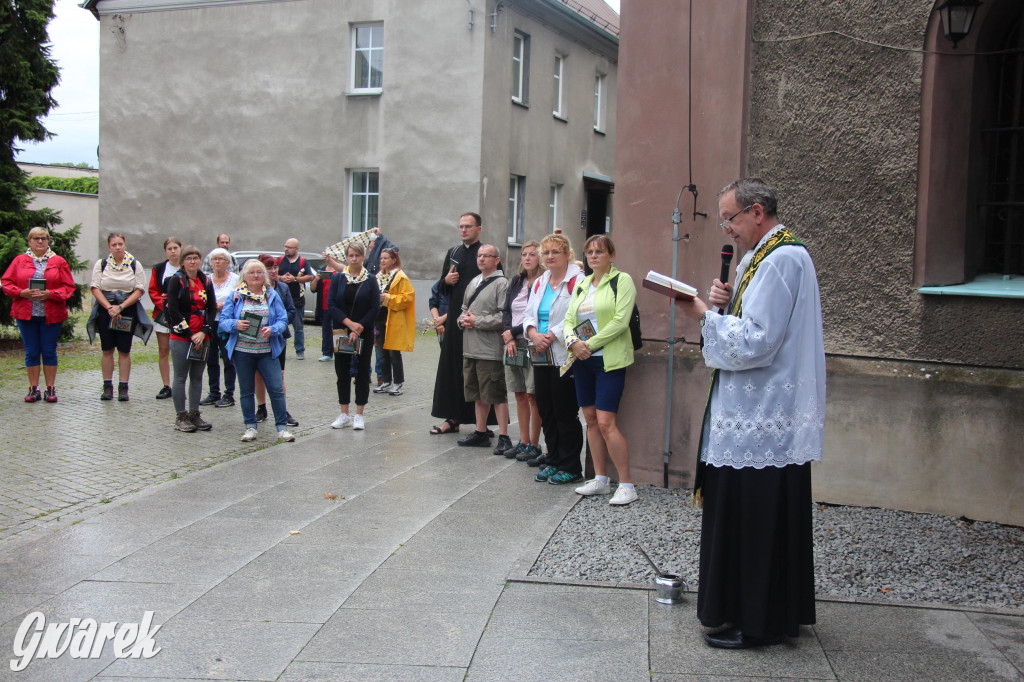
(255, 318)
(352, 302)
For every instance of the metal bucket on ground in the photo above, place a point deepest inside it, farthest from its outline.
(669, 588)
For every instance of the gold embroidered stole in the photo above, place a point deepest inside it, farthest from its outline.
(782, 237)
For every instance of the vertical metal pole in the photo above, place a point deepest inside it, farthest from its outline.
(667, 453)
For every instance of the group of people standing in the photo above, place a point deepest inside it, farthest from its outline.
(525, 336)
(558, 338)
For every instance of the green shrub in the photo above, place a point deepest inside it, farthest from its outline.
(86, 185)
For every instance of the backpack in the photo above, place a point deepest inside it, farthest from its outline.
(634, 319)
(302, 262)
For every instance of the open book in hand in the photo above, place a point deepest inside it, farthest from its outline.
(666, 286)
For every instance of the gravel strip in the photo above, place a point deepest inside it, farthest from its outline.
(877, 555)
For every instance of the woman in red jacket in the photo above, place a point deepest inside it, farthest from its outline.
(40, 283)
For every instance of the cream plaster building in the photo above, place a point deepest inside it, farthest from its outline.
(268, 119)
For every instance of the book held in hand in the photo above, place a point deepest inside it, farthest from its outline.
(343, 345)
(255, 322)
(198, 353)
(541, 358)
(124, 324)
(37, 284)
(584, 331)
(666, 286)
(521, 358)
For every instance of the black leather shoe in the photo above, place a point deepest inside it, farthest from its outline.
(732, 638)
(477, 439)
(210, 399)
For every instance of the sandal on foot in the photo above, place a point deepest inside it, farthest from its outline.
(453, 427)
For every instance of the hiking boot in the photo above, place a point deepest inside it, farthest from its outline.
(122, 392)
(261, 413)
(563, 477)
(108, 392)
(164, 393)
(514, 451)
(197, 420)
(34, 395)
(477, 439)
(184, 423)
(545, 473)
(503, 446)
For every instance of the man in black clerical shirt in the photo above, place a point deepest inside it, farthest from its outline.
(457, 272)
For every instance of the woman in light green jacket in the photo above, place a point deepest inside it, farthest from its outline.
(597, 335)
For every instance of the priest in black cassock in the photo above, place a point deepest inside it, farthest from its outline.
(457, 272)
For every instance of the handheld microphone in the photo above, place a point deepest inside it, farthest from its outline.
(727, 252)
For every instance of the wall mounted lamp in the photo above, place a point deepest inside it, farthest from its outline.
(957, 17)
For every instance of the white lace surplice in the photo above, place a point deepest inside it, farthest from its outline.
(768, 406)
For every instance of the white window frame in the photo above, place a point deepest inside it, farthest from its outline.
(559, 95)
(555, 207)
(599, 97)
(368, 53)
(359, 194)
(520, 67)
(516, 205)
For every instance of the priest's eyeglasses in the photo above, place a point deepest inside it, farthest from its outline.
(727, 223)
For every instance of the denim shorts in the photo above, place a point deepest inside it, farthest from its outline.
(595, 386)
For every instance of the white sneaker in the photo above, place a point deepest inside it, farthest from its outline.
(342, 421)
(286, 435)
(396, 389)
(383, 388)
(594, 487)
(249, 435)
(623, 495)
(358, 424)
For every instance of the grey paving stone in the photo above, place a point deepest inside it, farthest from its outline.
(677, 646)
(220, 650)
(429, 590)
(380, 530)
(302, 671)
(501, 658)
(56, 574)
(407, 636)
(14, 605)
(539, 611)
(65, 668)
(874, 666)
(455, 555)
(114, 601)
(1005, 632)
(854, 627)
(226, 532)
(177, 564)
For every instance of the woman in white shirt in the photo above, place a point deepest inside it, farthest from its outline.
(224, 282)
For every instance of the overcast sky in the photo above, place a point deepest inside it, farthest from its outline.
(75, 123)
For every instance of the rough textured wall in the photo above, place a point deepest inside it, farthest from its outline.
(834, 125)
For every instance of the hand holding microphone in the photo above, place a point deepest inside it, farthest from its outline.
(721, 291)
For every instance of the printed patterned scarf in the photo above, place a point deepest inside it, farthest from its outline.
(384, 279)
(243, 290)
(356, 279)
(128, 263)
(41, 259)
